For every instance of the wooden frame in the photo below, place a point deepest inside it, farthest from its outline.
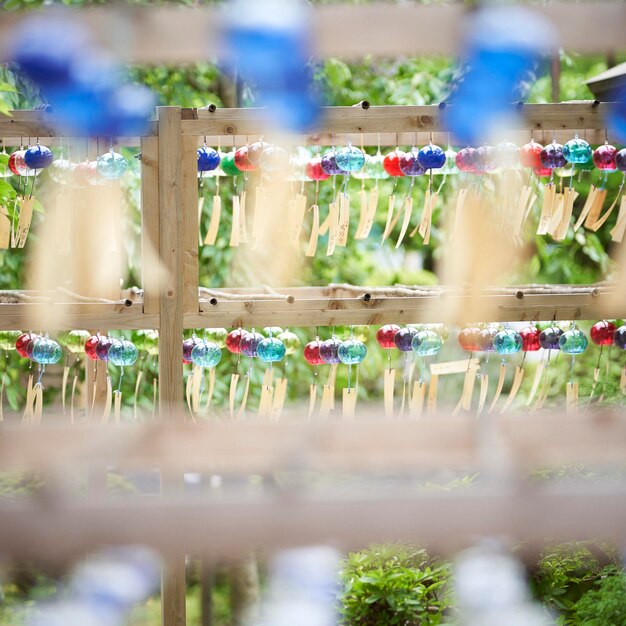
(171, 302)
(178, 35)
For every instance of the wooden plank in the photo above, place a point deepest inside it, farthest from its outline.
(150, 229)
(177, 35)
(230, 527)
(402, 310)
(14, 316)
(189, 208)
(171, 241)
(398, 119)
(369, 444)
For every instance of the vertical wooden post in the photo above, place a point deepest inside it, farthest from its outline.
(190, 224)
(171, 241)
(150, 235)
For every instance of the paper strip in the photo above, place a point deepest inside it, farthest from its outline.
(66, 373)
(371, 212)
(617, 234)
(234, 380)
(243, 232)
(344, 220)
(315, 230)
(416, 406)
(244, 400)
(214, 224)
(432, 394)
(312, 399)
(333, 226)
(388, 388)
(280, 393)
(408, 210)
(547, 209)
(30, 399)
(117, 410)
(501, 378)
(363, 201)
(23, 225)
(596, 208)
(536, 380)
(390, 212)
(517, 382)
(571, 397)
(235, 228)
(484, 388)
(136, 396)
(349, 403)
(106, 412)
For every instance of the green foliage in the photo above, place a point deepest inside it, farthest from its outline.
(604, 604)
(394, 585)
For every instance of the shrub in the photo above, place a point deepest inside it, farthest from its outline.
(394, 585)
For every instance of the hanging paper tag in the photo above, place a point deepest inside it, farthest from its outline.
(427, 216)
(298, 212)
(328, 396)
(37, 404)
(536, 380)
(210, 392)
(416, 407)
(560, 230)
(74, 383)
(344, 219)
(390, 213)
(312, 399)
(557, 213)
(30, 399)
(601, 220)
(596, 208)
(454, 367)
(521, 209)
(363, 199)
(258, 217)
(197, 375)
(66, 373)
(333, 226)
(136, 396)
(315, 230)
(622, 382)
(117, 410)
(155, 395)
(265, 403)
(408, 210)
(547, 209)
(501, 378)
(106, 412)
(235, 229)
(484, 388)
(432, 394)
(572, 397)
(349, 403)
(517, 382)
(389, 381)
(617, 234)
(243, 232)
(586, 207)
(23, 225)
(234, 379)
(468, 390)
(280, 393)
(214, 224)
(5, 229)
(244, 400)
(371, 213)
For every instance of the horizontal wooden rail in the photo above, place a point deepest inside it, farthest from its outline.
(368, 308)
(19, 316)
(180, 35)
(369, 444)
(378, 125)
(228, 526)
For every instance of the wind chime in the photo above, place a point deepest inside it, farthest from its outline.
(44, 351)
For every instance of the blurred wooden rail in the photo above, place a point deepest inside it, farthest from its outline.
(378, 125)
(180, 35)
(366, 445)
(229, 526)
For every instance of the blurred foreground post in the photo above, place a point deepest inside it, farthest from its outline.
(170, 198)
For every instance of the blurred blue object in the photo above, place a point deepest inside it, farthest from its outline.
(616, 117)
(503, 46)
(103, 589)
(269, 43)
(85, 85)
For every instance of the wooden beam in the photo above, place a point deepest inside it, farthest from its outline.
(191, 225)
(398, 119)
(337, 311)
(111, 316)
(232, 525)
(177, 35)
(368, 445)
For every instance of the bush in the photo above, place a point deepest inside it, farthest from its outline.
(387, 585)
(604, 604)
